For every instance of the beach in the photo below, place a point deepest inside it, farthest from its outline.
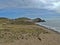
(50, 29)
(51, 24)
(29, 22)
(21, 31)
(46, 37)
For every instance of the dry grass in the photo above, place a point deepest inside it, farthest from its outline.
(27, 35)
(20, 32)
(9, 33)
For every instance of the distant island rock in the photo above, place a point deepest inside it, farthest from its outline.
(38, 20)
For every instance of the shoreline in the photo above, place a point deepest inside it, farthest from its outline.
(50, 29)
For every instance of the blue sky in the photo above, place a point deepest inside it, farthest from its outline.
(46, 9)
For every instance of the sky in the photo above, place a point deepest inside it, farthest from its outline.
(30, 8)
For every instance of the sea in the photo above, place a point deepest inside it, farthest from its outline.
(51, 24)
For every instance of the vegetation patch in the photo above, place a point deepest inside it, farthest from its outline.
(20, 28)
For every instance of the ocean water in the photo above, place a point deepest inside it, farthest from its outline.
(51, 24)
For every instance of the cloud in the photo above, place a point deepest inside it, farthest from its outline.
(45, 4)
(51, 4)
(19, 3)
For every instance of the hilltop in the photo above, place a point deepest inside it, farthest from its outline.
(22, 20)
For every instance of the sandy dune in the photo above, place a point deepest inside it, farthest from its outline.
(51, 38)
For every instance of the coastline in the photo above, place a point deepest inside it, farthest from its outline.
(45, 36)
(49, 29)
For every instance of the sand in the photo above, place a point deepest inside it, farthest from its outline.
(52, 38)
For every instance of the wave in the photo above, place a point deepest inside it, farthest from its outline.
(49, 27)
